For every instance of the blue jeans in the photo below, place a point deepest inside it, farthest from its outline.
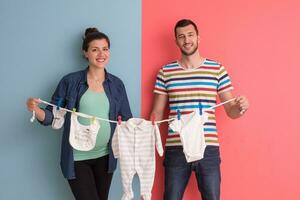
(178, 172)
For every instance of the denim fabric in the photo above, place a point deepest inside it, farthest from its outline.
(68, 93)
(178, 172)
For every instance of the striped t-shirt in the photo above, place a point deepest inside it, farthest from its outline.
(187, 87)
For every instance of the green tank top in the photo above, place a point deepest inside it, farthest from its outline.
(95, 104)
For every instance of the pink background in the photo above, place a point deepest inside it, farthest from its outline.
(258, 43)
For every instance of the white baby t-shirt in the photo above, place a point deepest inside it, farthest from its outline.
(190, 129)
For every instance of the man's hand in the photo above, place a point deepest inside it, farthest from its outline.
(242, 103)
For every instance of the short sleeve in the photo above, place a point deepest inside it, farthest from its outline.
(115, 143)
(160, 83)
(158, 143)
(224, 81)
(175, 125)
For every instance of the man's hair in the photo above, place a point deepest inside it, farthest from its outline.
(183, 23)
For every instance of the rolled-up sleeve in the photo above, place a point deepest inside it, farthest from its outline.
(59, 95)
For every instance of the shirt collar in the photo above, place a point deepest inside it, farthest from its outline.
(139, 123)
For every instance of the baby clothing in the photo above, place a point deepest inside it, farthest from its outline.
(82, 137)
(134, 143)
(95, 104)
(190, 129)
(58, 117)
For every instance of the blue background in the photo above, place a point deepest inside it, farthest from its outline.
(40, 42)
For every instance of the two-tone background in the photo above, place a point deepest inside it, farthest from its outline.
(257, 41)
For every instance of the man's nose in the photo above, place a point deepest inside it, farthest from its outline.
(186, 39)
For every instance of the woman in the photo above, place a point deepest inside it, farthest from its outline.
(96, 92)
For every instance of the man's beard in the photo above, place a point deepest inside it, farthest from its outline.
(189, 53)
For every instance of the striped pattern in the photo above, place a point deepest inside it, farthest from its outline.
(134, 144)
(187, 87)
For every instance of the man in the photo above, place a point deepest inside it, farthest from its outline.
(185, 83)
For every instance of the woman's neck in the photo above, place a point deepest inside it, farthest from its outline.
(96, 74)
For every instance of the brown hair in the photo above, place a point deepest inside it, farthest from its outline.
(92, 34)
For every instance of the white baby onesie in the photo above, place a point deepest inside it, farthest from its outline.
(58, 117)
(134, 143)
(190, 129)
(82, 137)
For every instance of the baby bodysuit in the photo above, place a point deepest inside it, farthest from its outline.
(134, 143)
(190, 129)
(58, 117)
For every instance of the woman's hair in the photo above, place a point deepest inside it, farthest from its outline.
(92, 34)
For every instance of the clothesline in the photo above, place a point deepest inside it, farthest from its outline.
(112, 121)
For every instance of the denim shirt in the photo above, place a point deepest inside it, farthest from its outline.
(68, 92)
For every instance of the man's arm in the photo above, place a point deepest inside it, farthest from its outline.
(236, 108)
(159, 104)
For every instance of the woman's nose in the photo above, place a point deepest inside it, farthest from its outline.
(100, 52)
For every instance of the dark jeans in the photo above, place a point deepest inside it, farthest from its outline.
(92, 180)
(178, 172)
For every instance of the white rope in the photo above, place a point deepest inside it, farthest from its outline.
(33, 117)
(78, 113)
(112, 121)
(212, 107)
(165, 120)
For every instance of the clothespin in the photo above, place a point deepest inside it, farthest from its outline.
(93, 120)
(74, 109)
(59, 103)
(119, 120)
(200, 108)
(153, 119)
(178, 114)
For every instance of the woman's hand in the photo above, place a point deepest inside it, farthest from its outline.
(33, 104)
